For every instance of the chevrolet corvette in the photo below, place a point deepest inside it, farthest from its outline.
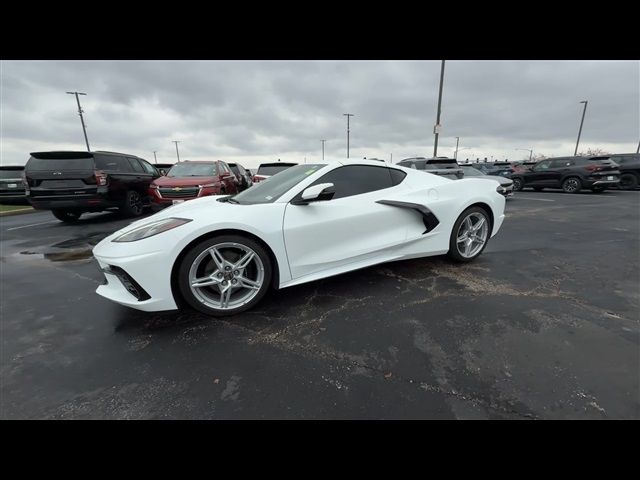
(220, 254)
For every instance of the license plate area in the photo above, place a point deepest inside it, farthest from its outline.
(174, 202)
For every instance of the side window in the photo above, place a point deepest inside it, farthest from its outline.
(561, 162)
(357, 179)
(112, 163)
(397, 176)
(544, 165)
(148, 167)
(135, 165)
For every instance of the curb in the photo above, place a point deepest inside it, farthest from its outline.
(18, 212)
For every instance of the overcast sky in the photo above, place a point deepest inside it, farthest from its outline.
(254, 111)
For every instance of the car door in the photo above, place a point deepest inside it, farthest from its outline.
(348, 228)
(140, 179)
(120, 174)
(538, 174)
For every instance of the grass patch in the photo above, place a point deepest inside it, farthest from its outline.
(12, 208)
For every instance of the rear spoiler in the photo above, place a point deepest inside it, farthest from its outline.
(61, 155)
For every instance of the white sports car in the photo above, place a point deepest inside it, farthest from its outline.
(220, 254)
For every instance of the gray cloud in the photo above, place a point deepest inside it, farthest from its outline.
(254, 111)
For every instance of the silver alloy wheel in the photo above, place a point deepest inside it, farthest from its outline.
(472, 234)
(226, 276)
(571, 185)
(516, 184)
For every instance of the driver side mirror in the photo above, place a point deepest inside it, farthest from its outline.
(316, 193)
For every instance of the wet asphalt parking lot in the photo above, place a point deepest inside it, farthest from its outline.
(544, 325)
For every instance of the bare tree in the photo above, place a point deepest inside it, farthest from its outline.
(594, 152)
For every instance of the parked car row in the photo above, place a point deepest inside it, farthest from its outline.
(571, 174)
(72, 183)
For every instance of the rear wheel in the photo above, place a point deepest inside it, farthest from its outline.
(132, 206)
(628, 181)
(571, 185)
(67, 216)
(225, 275)
(469, 235)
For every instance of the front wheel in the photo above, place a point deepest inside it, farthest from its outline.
(66, 216)
(225, 275)
(517, 184)
(628, 181)
(469, 235)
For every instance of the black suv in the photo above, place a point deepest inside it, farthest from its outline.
(71, 183)
(446, 167)
(242, 174)
(569, 173)
(629, 166)
(11, 185)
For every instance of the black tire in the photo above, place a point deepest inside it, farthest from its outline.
(453, 253)
(628, 181)
(67, 216)
(538, 189)
(132, 206)
(571, 185)
(518, 184)
(197, 250)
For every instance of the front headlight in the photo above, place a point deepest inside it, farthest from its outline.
(151, 229)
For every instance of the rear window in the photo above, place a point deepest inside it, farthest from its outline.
(59, 164)
(17, 173)
(112, 163)
(272, 169)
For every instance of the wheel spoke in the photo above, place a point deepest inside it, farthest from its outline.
(478, 225)
(248, 283)
(244, 261)
(468, 224)
(217, 258)
(205, 281)
(225, 296)
(463, 237)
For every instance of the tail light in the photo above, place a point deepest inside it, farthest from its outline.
(101, 177)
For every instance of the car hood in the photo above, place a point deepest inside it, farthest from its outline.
(182, 181)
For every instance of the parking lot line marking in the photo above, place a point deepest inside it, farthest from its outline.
(538, 199)
(32, 225)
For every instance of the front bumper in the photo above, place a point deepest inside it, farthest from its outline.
(149, 273)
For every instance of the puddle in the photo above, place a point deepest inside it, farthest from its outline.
(67, 250)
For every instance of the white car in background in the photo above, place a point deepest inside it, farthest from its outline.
(220, 254)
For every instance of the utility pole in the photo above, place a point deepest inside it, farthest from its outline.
(584, 110)
(527, 150)
(455, 155)
(638, 149)
(154, 156)
(436, 128)
(177, 153)
(348, 115)
(391, 161)
(323, 149)
(84, 128)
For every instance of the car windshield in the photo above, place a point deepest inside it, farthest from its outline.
(472, 172)
(269, 190)
(192, 170)
(10, 173)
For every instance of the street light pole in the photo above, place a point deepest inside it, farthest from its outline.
(638, 149)
(177, 153)
(455, 155)
(348, 115)
(584, 110)
(436, 129)
(84, 128)
(323, 149)
(155, 159)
